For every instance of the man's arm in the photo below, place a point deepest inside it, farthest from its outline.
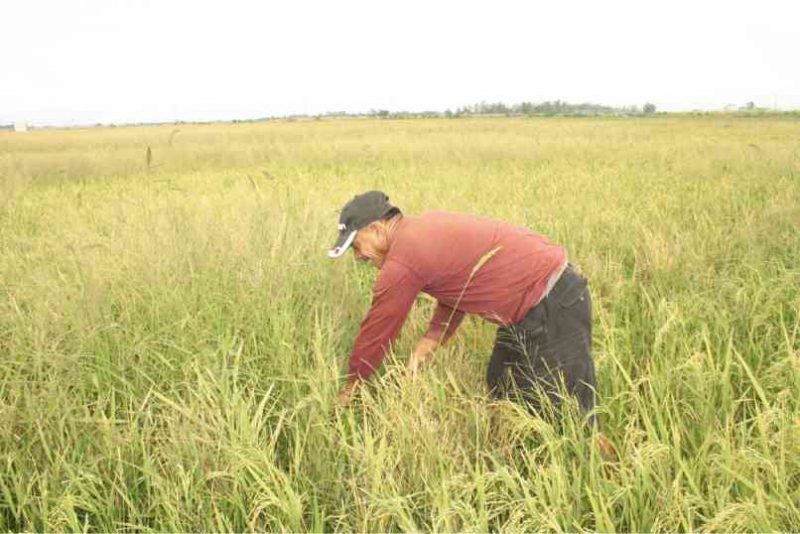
(393, 296)
(443, 324)
(421, 353)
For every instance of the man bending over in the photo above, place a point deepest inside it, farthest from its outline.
(508, 275)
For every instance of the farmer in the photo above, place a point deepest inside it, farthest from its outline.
(508, 275)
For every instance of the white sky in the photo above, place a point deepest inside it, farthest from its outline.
(80, 62)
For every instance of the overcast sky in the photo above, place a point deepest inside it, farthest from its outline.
(82, 62)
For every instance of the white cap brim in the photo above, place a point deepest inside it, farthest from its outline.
(341, 249)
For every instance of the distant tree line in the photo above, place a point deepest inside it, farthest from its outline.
(550, 108)
(547, 109)
(555, 107)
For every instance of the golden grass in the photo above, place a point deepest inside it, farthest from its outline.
(171, 338)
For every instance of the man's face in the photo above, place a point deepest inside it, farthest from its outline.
(371, 244)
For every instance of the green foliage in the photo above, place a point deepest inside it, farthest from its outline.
(171, 341)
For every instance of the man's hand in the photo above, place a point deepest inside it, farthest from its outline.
(414, 364)
(346, 393)
(421, 354)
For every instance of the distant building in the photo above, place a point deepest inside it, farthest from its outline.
(20, 127)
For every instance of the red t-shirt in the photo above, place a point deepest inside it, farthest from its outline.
(469, 264)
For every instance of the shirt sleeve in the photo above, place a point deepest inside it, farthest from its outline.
(444, 322)
(393, 296)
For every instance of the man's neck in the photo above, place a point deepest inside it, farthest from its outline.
(392, 225)
(391, 228)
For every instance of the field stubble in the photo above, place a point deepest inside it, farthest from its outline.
(172, 334)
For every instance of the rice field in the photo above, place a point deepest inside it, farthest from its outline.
(172, 334)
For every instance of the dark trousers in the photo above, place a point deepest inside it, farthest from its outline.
(549, 352)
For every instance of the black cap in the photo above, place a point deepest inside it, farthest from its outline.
(358, 213)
